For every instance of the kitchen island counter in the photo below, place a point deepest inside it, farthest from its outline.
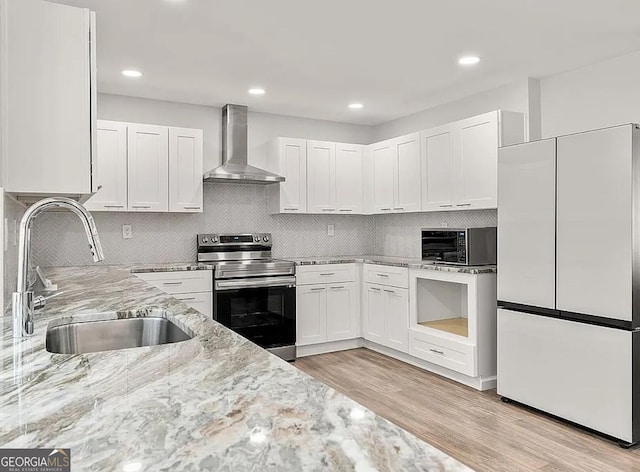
(215, 402)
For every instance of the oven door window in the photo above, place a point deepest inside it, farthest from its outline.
(264, 315)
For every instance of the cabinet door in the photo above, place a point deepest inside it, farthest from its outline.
(407, 174)
(397, 319)
(148, 167)
(375, 314)
(349, 172)
(476, 162)
(201, 302)
(383, 168)
(321, 183)
(185, 170)
(47, 98)
(112, 168)
(437, 156)
(595, 217)
(311, 314)
(342, 311)
(527, 224)
(293, 166)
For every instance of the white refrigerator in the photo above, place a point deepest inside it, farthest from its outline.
(569, 278)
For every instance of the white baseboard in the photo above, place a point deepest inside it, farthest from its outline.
(324, 348)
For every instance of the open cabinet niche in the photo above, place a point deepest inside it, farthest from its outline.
(443, 305)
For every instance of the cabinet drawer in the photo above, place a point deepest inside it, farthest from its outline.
(181, 281)
(201, 301)
(447, 353)
(328, 273)
(386, 275)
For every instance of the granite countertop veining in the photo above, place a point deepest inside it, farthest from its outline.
(170, 267)
(411, 263)
(216, 402)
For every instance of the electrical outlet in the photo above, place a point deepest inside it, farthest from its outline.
(444, 225)
(331, 230)
(127, 232)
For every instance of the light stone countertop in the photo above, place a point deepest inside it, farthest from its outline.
(216, 402)
(394, 261)
(171, 267)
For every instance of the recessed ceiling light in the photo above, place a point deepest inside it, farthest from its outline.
(132, 73)
(468, 60)
(356, 106)
(256, 91)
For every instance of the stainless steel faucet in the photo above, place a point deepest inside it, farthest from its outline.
(23, 301)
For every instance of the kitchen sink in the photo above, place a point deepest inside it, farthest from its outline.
(112, 334)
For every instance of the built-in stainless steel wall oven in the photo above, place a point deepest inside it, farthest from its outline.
(253, 294)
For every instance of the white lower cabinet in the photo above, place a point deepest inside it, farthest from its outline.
(193, 288)
(452, 321)
(440, 321)
(311, 314)
(326, 313)
(342, 311)
(386, 316)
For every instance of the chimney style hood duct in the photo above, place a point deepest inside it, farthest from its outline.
(234, 168)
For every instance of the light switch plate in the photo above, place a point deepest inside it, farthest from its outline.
(331, 230)
(127, 232)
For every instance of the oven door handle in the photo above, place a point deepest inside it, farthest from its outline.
(222, 285)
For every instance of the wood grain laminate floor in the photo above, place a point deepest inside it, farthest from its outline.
(476, 428)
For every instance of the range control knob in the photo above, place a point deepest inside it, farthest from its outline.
(214, 239)
(256, 239)
(205, 240)
(265, 238)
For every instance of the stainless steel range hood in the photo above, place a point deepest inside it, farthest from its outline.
(234, 168)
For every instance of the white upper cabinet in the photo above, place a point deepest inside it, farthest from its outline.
(406, 176)
(148, 167)
(460, 160)
(185, 170)
(47, 58)
(112, 168)
(393, 171)
(476, 162)
(349, 175)
(437, 179)
(382, 157)
(321, 181)
(288, 157)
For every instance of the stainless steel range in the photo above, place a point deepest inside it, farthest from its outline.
(253, 294)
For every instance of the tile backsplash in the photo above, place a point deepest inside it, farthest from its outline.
(59, 240)
(399, 235)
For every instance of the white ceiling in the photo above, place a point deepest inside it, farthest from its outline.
(313, 58)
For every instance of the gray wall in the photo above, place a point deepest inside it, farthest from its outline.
(262, 126)
(518, 96)
(597, 96)
(12, 213)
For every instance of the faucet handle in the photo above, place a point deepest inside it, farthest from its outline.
(39, 302)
